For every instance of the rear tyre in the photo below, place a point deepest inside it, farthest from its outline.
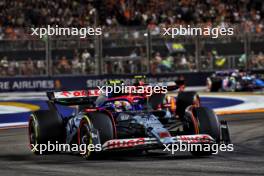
(44, 127)
(186, 99)
(214, 84)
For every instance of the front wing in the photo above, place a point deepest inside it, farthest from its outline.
(152, 143)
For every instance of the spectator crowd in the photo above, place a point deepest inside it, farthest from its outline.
(257, 60)
(82, 63)
(17, 16)
(27, 67)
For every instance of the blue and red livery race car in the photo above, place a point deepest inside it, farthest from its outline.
(234, 80)
(127, 122)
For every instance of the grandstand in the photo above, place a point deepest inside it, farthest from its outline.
(131, 42)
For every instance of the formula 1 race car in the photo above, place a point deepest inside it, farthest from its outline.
(126, 122)
(234, 80)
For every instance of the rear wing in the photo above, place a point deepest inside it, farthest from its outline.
(80, 97)
(75, 97)
(171, 85)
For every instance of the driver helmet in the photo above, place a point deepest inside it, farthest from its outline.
(126, 106)
(122, 106)
(118, 106)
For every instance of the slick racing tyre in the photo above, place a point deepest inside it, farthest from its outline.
(44, 127)
(207, 124)
(214, 84)
(186, 99)
(98, 121)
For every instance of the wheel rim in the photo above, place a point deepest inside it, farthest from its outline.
(32, 133)
(84, 134)
(85, 137)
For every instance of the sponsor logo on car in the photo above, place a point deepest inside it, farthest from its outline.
(195, 138)
(124, 143)
(76, 94)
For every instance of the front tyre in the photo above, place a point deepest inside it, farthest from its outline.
(85, 136)
(186, 99)
(94, 122)
(207, 124)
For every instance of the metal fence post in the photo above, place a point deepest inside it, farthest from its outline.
(197, 54)
(48, 56)
(247, 50)
(98, 54)
(149, 50)
(98, 46)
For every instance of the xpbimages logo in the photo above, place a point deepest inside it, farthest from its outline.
(57, 147)
(63, 31)
(124, 89)
(181, 30)
(194, 147)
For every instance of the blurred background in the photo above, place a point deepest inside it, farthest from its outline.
(131, 42)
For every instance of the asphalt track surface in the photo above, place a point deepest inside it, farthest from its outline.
(247, 132)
